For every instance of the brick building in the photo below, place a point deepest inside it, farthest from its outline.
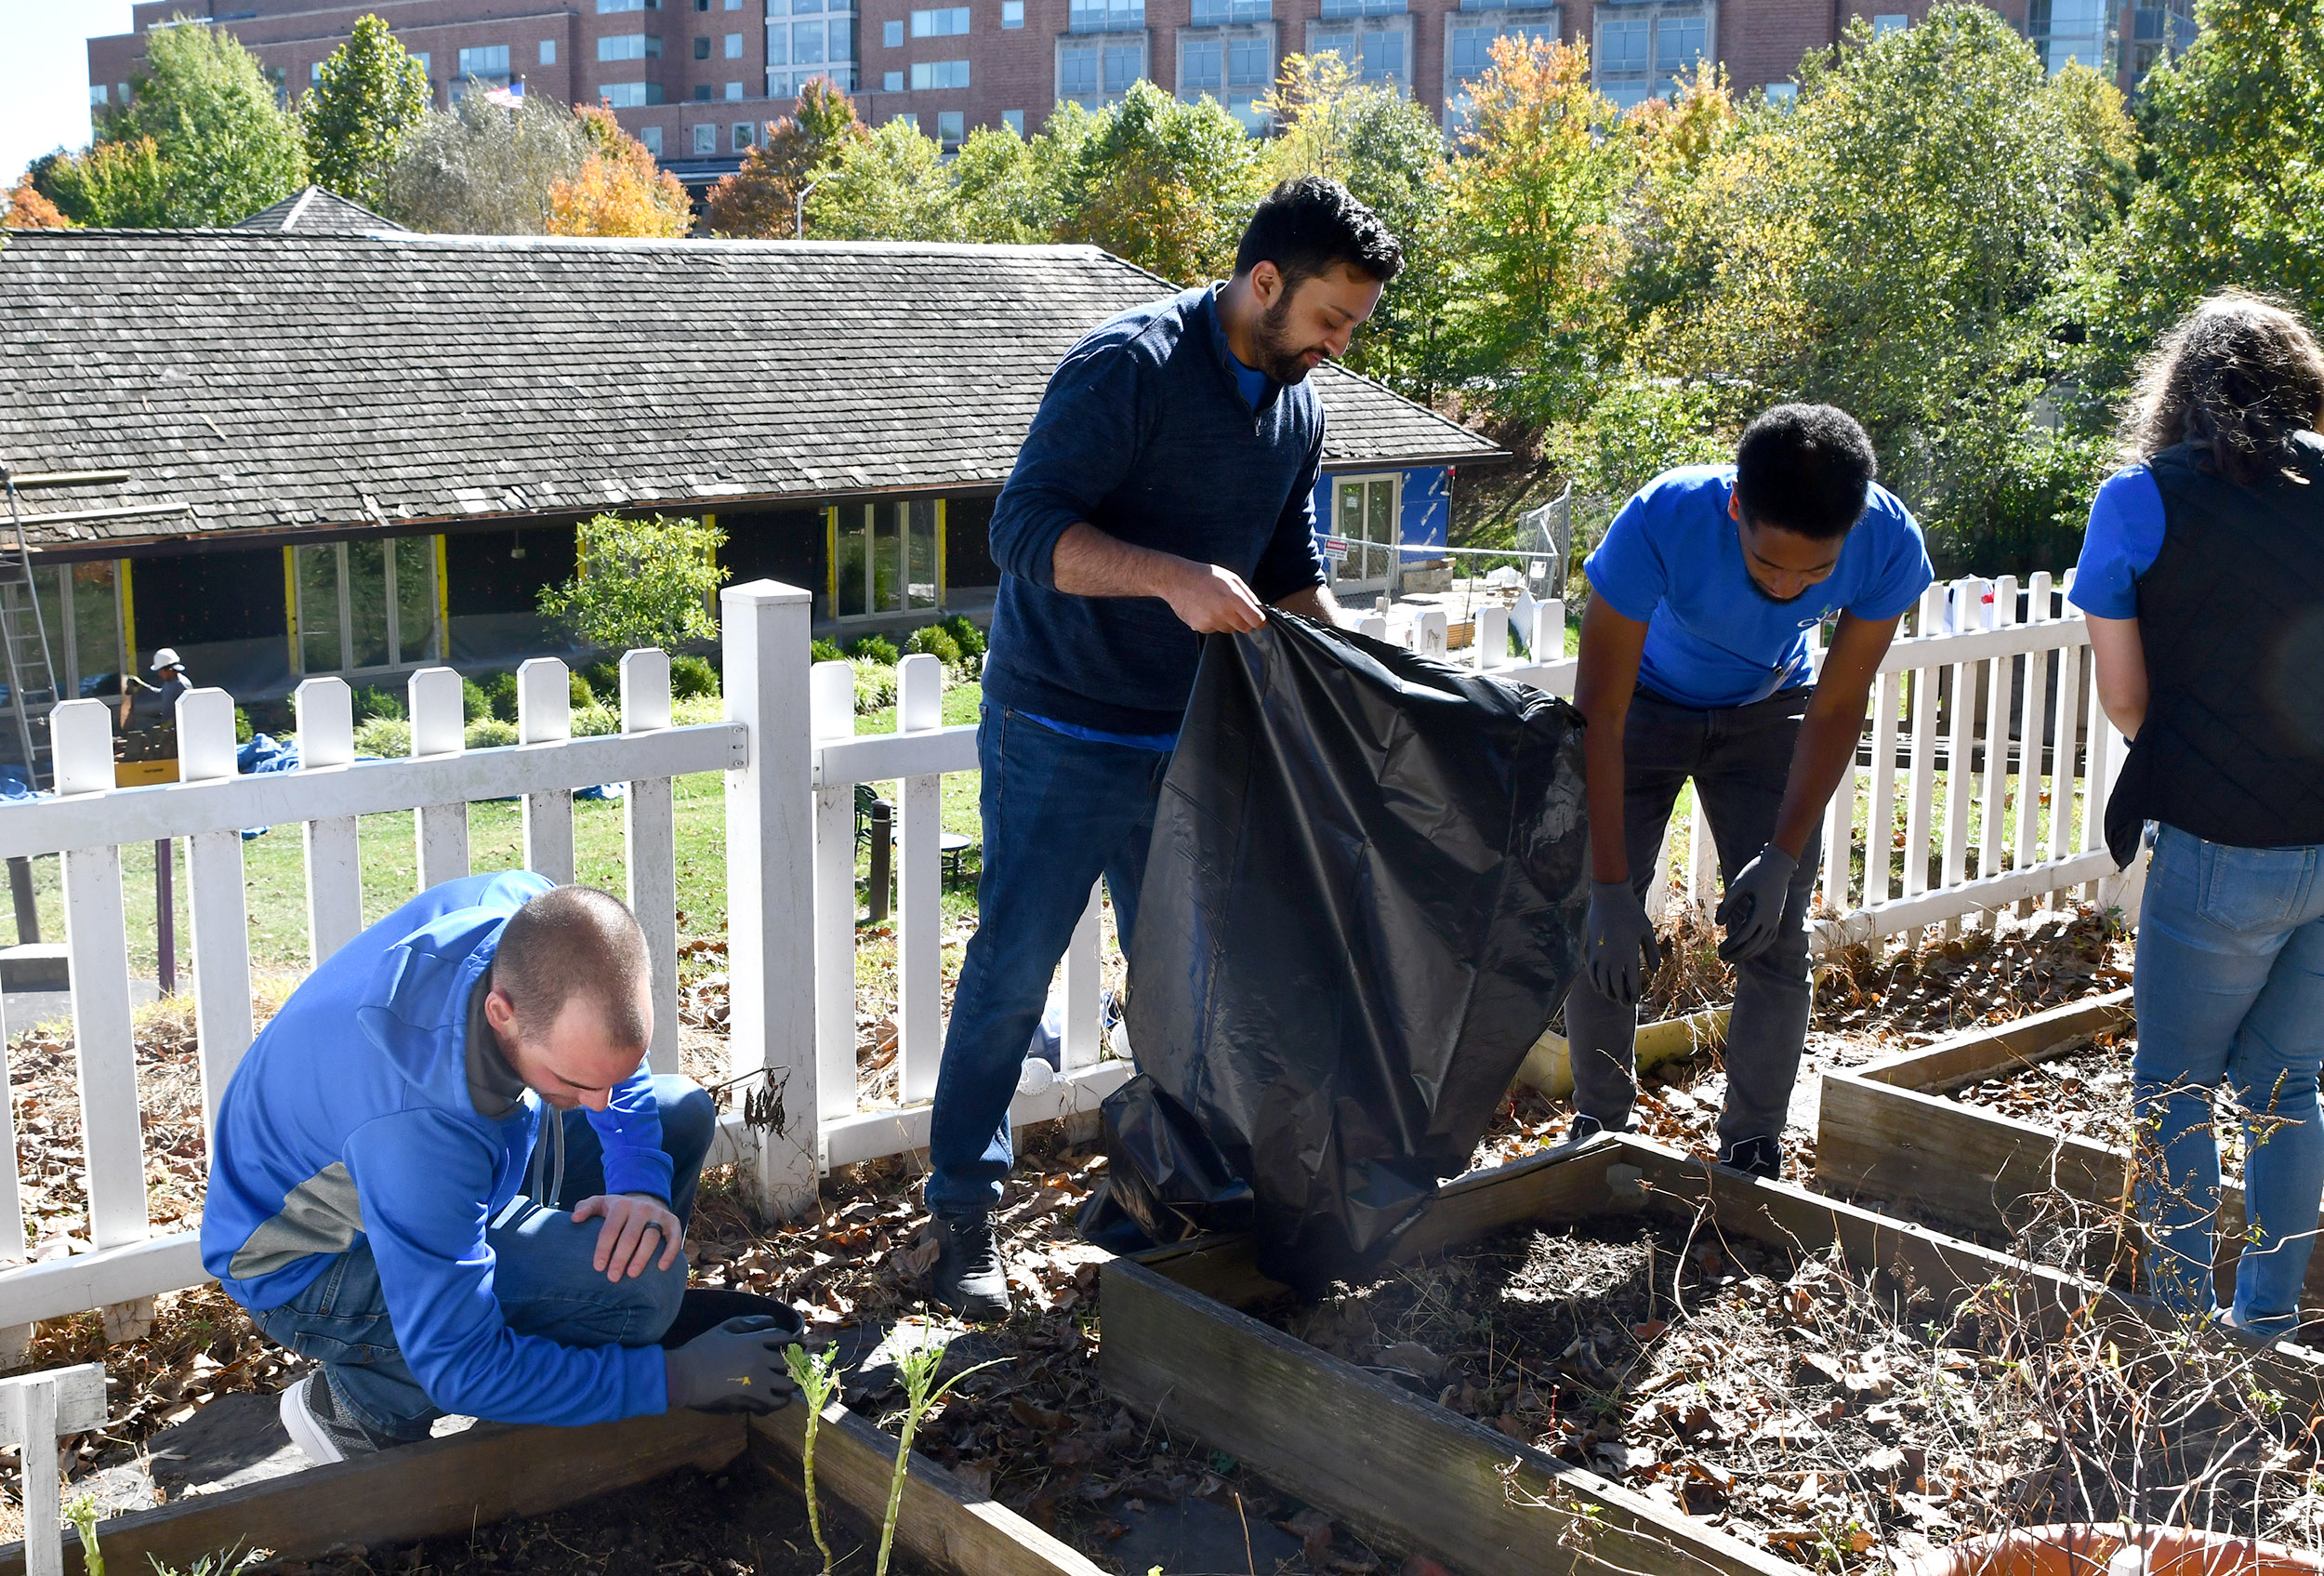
(698, 79)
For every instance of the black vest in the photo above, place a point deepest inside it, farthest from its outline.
(2231, 614)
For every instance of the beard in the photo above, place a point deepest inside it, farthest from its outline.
(1278, 357)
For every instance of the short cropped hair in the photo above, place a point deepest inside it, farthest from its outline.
(1310, 225)
(1804, 468)
(569, 942)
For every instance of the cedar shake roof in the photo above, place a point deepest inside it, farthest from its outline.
(315, 211)
(273, 380)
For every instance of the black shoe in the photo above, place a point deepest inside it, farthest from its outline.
(1585, 1127)
(970, 1279)
(320, 1426)
(1761, 1156)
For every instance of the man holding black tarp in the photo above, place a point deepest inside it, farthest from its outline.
(1164, 493)
(1695, 664)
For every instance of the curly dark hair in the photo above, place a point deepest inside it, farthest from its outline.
(1310, 224)
(1804, 468)
(2235, 379)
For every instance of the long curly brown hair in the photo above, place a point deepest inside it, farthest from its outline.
(2234, 379)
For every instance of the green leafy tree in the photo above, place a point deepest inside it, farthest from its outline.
(639, 583)
(364, 109)
(204, 100)
(123, 185)
(1165, 184)
(760, 200)
(892, 186)
(1386, 149)
(479, 169)
(1010, 190)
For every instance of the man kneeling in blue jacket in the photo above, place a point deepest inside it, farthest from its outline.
(387, 1198)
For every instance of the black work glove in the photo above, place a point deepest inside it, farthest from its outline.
(736, 1367)
(1617, 936)
(1753, 909)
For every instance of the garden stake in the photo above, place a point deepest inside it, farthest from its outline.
(816, 1377)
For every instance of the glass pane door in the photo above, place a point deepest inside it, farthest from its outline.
(367, 602)
(920, 549)
(96, 624)
(318, 574)
(1380, 530)
(886, 557)
(1349, 528)
(415, 599)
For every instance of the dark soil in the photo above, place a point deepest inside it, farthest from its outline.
(741, 1521)
(1802, 1408)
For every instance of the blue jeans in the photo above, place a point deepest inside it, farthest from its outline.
(2230, 984)
(542, 1277)
(1740, 758)
(1058, 812)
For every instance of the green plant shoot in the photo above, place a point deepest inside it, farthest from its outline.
(82, 1511)
(816, 1377)
(917, 1367)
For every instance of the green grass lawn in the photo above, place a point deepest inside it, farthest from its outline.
(275, 877)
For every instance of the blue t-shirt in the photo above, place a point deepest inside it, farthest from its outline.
(1251, 382)
(2125, 534)
(1672, 561)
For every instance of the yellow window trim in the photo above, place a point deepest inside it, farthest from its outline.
(290, 607)
(443, 604)
(128, 615)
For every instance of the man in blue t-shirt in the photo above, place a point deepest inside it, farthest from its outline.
(1165, 492)
(1695, 664)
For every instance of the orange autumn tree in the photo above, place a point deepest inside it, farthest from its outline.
(620, 190)
(24, 208)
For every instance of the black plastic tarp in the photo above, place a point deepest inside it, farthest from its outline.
(1362, 905)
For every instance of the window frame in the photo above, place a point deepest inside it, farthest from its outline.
(1366, 480)
(345, 612)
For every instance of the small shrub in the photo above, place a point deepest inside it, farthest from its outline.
(820, 650)
(583, 695)
(875, 687)
(243, 732)
(967, 636)
(371, 704)
(489, 733)
(592, 722)
(475, 704)
(876, 648)
(937, 641)
(501, 692)
(604, 679)
(691, 678)
(697, 709)
(389, 737)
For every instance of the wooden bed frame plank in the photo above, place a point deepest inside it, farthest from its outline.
(1980, 1053)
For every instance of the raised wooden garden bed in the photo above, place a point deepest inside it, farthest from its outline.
(473, 1478)
(1890, 1130)
(1415, 1476)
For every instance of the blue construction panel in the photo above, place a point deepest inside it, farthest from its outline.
(1427, 506)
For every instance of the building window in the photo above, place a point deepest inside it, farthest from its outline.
(702, 93)
(1202, 69)
(100, 94)
(705, 139)
(884, 558)
(1649, 55)
(942, 23)
(630, 47)
(628, 95)
(2064, 30)
(419, 55)
(927, 74)
(1013, 120)
(1678, 44)
(951, 127)
(488, 64)
(548, 51)
(1783, 94)
(778, 45)
(1362, 7)
(1106, 16)
(807, 44)
(1077, 75)
(314, 75)
(891, 82)
(891, 34)
(1891, 21)
(80, 607)
(702, 5)
(906, 117)
(652, 137)
(734, 46)
(1011, 13)
(1224, 13)
(366, 605)
(1364, 521)
(741, 136)
(1124, 63)
(607, 7)
(1469, 50)
(701, 48)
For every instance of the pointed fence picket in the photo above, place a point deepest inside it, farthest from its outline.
(2032, 771)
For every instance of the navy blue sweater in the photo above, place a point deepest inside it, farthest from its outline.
(1143, 434)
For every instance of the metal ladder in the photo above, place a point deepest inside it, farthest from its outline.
(32, 678)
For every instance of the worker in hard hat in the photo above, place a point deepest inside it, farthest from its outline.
(152, 703)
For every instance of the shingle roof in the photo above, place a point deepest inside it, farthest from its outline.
(277, 380)
(315, 211)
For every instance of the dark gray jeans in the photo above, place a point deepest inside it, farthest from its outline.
(1740, 758)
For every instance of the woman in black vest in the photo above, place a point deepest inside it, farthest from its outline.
(2203, 576)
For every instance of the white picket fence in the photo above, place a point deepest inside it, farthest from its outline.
(792, 760)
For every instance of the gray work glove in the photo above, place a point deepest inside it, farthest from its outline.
(1617, 936)
(1753, 909)
(737, 1366)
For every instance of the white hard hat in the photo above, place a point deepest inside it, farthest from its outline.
(166, 657)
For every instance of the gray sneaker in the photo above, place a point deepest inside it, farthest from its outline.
(320, 1426)
(970, 1279)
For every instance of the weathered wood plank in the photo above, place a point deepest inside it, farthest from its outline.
(422, 1490)
(1410, 1474)
(1981, 1053)
(942, 1523)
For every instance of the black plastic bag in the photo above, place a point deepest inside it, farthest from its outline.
(1364, 903)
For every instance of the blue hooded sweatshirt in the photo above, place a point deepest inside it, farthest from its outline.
(354, 1117)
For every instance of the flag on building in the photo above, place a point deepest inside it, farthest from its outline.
(511, 97)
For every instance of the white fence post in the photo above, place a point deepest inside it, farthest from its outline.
(35, 1409)
(650, 844)
(2033, 725)
(325, 709)
(438, 727)
(1546, 641)
(1922, 783)
(1492, 635)
(544, 715)
(1430, 633)
(770, 883)
(920, 917)
(221, 920)
(1372, 627)
(832, 712)
(1960, 777)
(1993, 838)
(1083, 991)
(104, 1040)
